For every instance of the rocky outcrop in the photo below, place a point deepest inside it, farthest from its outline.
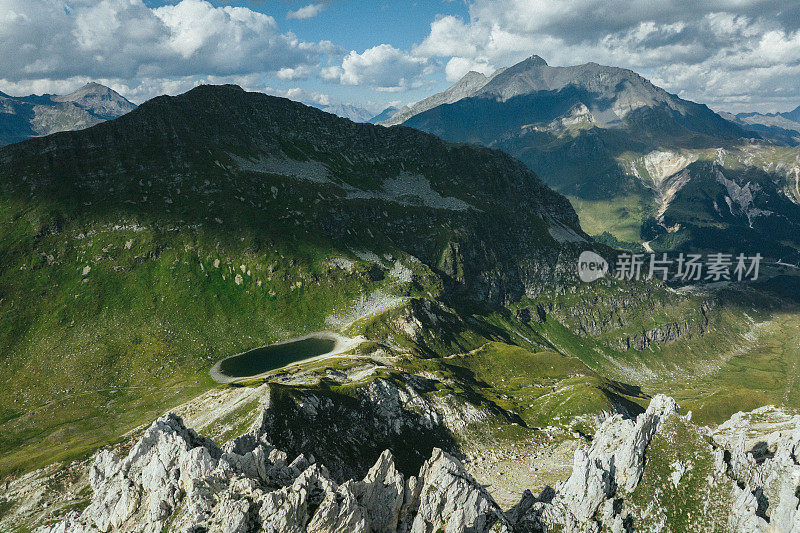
(663, 334)
(655, 472)
(384, 413)
(601, 476)
(765, 469)
(609, 315)
(175, 480)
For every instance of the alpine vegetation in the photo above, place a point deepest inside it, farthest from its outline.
(433, 283)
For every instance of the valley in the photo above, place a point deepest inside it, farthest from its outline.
(334, 266)
(160, 248)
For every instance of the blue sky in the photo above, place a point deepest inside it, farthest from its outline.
(360, 25)
(731, 54)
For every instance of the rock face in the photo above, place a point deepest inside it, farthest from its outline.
(32, 116)
(382, 415)
(608, 470)
(765, 469)
(657, 472)
(175, 480)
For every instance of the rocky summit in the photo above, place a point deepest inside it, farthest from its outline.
(173, 479)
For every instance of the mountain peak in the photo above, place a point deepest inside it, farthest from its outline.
(94, 86)
(536, 61)
(37, 115)
(90, 89)
(471, 76)
(93, 91)
(793, 115)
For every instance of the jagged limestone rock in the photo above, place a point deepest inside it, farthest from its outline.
(176, 480)
(657, 472)
(447, 498)
(611, 467)
(766, 474)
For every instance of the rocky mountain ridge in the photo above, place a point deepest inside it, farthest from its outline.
(467, 86)
(625, 150)
(175, 480)
(33, 116)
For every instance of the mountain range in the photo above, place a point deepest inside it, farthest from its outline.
(783, 127)
(476, 383)
(350, 111)
(359, 114)
(640, 165)
(220, 220)
(33, 116)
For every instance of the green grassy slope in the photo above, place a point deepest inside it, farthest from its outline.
(137, 253)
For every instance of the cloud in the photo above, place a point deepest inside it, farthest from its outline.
(307, 12)
(383, 67)
(300, 72)
(731, 54)
(301, 95)
(458, 66)
(124, 39)
(708, 50)
(136, 90)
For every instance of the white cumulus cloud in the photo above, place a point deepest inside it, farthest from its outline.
(383, 67)
(126, 41)
(301, 95)
(307, 12)
(713, 51)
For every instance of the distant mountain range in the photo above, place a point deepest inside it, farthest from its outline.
(359, 114)
(33, 116)
(592, 94)
(782, 127)
(386, 114)
(353, 112)
(624, 151)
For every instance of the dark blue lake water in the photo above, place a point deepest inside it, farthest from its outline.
(275, 356)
